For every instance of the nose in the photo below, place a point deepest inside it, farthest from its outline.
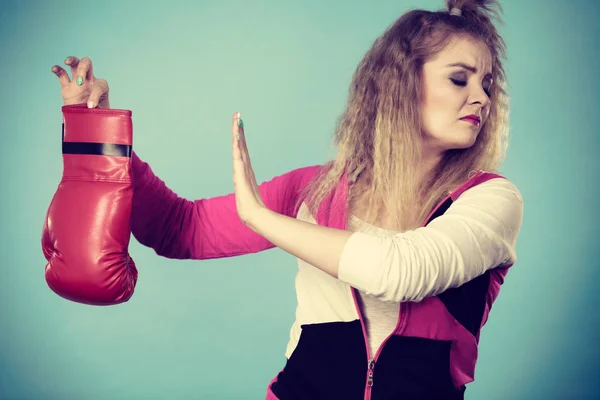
(479, 96)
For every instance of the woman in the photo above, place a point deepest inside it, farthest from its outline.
(402, 241)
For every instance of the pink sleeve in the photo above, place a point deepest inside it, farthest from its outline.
(206, 228)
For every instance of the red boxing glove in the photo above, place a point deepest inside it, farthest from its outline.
(88, 225)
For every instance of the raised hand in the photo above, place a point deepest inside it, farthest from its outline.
(247, 196)
(84, 87)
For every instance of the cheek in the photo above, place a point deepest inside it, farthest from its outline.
(441, 111)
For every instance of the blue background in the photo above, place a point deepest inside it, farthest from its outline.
(218, 329)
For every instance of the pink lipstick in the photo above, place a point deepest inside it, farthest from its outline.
(474, 119)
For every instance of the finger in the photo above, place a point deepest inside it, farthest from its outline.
(99, 89)
(72, 62)
(84, 71)
(245, 163)
(240, 137)
(235, 139)
(63, 77)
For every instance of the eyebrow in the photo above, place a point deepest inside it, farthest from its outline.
(468, 68)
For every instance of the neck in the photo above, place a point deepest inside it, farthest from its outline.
(428, 164)
(426, 168)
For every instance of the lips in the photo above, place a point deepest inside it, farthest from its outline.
(474, 119)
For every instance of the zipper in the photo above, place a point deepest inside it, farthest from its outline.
(370, 362)
(373, 361)
(370, 373)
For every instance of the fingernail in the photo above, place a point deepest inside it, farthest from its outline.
(79, 80)
(68, 59)
(240, 122)
(90, 104)
(238, 137)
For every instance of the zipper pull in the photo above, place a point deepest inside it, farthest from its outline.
(370, 375)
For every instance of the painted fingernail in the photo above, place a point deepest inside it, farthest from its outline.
(79, 80)
(69, 59)
(240, 122)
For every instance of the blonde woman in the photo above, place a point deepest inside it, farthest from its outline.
(402, 241)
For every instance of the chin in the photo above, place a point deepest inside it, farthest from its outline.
(462, 144)
(459, 141)
(466, 141)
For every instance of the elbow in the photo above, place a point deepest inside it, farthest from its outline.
(169, 234)
(410, 275)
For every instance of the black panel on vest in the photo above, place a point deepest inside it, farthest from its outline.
(442, 209)
(329, 362)
(414, 368)
(465, 303)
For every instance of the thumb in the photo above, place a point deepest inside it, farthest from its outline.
(99, 91)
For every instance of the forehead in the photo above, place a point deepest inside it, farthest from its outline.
(467, 51)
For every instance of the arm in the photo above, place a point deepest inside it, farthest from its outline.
(478, 232)
(206, 228)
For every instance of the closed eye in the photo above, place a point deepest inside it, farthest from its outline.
(458, 82)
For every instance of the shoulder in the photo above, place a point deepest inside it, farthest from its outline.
(491, 186)
(484, 181)
(494, 201)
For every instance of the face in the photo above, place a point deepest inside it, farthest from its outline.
(452, 92)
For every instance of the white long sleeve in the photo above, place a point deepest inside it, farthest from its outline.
(478, 232)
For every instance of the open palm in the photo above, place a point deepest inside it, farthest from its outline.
(247, 194)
